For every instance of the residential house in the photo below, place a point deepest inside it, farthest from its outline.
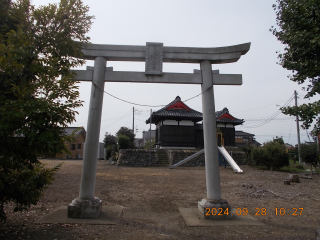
(245, 139)
(76, 148)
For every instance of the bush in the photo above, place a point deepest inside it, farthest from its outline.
(123, 142)
(272, 155)
(108, 151)
(148, 145)
(109, 139)
(129, 133)
(299, 166)
(23, 185)
(309, 154)
(248, 152)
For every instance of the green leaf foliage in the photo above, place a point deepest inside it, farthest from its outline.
(149, 144)
(271, 155)
(38, 96)
(123, 142)
(299, 31)
(248, 152)
(109, 140)
(23, 185)
(127, 132)
(108, 151)
(309, 153)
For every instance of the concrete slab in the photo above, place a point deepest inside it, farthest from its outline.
(193, 218)
(108, 216)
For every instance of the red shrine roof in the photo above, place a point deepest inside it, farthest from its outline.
(224, 116)
(177, 110)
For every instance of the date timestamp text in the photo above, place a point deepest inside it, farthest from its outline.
(257, 212)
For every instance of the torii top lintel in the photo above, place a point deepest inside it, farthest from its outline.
(215, 55)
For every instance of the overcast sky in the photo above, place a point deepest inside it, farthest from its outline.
(201, 23)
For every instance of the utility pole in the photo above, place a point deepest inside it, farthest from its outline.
(298, 130)
(150, 138)
(133, 120)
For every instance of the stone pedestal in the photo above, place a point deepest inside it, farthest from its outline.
(83, 208)
(215, 209)
(317, 234)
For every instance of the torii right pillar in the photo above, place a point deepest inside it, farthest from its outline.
(212, 207)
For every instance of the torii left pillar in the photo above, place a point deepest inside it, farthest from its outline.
(86, 205)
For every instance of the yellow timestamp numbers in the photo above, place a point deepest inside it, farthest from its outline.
(257, 212)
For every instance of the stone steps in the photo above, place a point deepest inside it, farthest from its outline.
(162, 157)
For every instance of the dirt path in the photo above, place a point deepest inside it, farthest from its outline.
(152, 196)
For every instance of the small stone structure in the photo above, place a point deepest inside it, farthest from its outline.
(137, 158)
(286, 182)
(140, 158)
(176, 156)
(215, 209)
(318, 234)
(294, 178)
(90, 208)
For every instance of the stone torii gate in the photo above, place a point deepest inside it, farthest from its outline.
(154, 54)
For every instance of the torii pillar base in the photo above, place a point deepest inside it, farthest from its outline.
(83, 208)
(215, 209)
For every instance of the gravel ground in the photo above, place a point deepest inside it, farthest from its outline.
(152, 196)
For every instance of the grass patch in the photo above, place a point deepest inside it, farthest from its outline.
(292, 169)
(262, 168)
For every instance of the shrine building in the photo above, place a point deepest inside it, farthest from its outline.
(178, 126)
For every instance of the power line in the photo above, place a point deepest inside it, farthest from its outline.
(254, 126)
(125, 115)
(139, 120)
(258, 107)
(198, 94)
(262, 119)
(114, 118)
(272, 117)
(145, 105)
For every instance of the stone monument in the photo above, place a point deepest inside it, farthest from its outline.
(113, 154)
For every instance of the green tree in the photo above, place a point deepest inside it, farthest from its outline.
(280, 140)
(271, 155)
(109, 141)
(309, 154)
(248, 152)
(299, 22)
(129, 133)
(123, 142)
(38, 95)
(148, 144)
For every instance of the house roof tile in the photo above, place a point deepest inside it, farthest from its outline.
(242, 133)
(69, 130)
(177, 110)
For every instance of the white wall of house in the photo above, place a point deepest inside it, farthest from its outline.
(170, 122)
(186, 123)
